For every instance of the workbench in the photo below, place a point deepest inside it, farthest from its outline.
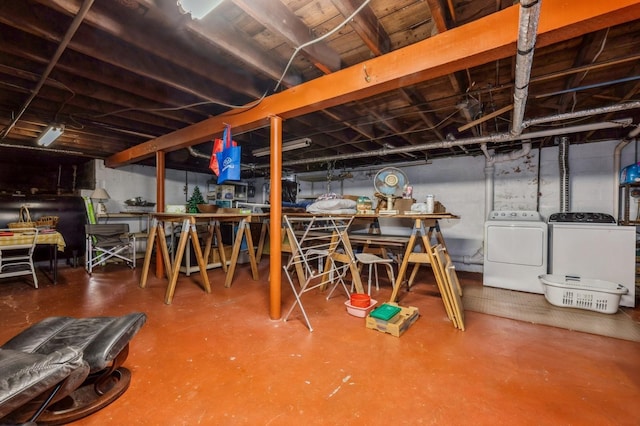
(188, 233)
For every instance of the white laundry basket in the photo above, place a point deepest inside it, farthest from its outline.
(575, 292)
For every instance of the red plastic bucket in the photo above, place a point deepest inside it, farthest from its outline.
(360, 300)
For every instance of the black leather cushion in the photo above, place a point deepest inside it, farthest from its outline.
(26, 376)
(100, 339)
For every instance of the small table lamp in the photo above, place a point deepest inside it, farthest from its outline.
(101, 195)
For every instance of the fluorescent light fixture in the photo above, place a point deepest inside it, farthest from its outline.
(198, 8)
(287, 146)
(50, 134)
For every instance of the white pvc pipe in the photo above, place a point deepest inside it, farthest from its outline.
(617, 153)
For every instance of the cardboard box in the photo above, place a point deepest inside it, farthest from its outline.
(175, 208)
(227, 192)
(397, 325)
(214, 256)
(403, 204)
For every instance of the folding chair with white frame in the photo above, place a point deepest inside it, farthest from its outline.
(16, 258)
(316, 241)
(373, 261)
(109, 241)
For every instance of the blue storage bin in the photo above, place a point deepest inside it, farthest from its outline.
(630, 174)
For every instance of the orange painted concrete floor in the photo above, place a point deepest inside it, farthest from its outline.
(218, 359)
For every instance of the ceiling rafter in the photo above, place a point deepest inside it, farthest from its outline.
(587, 53)
(366, 25)
(279, 19)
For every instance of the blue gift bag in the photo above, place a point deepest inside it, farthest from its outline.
(229, 159)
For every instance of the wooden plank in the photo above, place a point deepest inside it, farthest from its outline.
(437, 265)
(449, 281)
(485, 118)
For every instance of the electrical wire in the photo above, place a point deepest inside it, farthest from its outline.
(309, 43)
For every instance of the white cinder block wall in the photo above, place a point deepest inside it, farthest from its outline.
(140, 181)
(458, 183)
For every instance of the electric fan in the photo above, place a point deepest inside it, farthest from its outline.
(389, 182)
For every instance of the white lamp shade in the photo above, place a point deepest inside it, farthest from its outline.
(100, 194)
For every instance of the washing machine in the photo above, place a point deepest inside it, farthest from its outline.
(515, 252)
(592, 245)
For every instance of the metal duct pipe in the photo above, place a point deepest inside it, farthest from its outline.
(84, 9)
(195, 153)
(500, 137)
(580, 114)
(563, 159)
(528, 29)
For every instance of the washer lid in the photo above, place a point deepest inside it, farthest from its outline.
(522, 215)
(580, 217)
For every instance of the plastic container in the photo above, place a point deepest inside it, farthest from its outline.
(364, 205)
(630, 174)
(386, 311)
(575, 292)
(430, 203)
(360, 300)
(357, 311)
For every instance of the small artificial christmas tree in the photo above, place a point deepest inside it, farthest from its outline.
(196, 198)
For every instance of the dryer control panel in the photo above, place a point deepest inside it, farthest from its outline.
(521, 215)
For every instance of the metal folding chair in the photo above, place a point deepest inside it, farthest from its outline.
(319, 256)
(16, 257)
(104, 242)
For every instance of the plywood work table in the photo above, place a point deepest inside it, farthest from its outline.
(189, 232)
(425, 226)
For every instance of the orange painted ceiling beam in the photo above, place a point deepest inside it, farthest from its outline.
(488, 39)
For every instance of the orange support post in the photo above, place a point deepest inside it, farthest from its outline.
(275, 219)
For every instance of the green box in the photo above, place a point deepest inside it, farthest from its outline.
(385, 311)
(398, 324)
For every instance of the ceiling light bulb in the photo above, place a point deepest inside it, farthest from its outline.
(198, 8)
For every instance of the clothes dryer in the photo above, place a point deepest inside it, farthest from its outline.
(515, 252)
